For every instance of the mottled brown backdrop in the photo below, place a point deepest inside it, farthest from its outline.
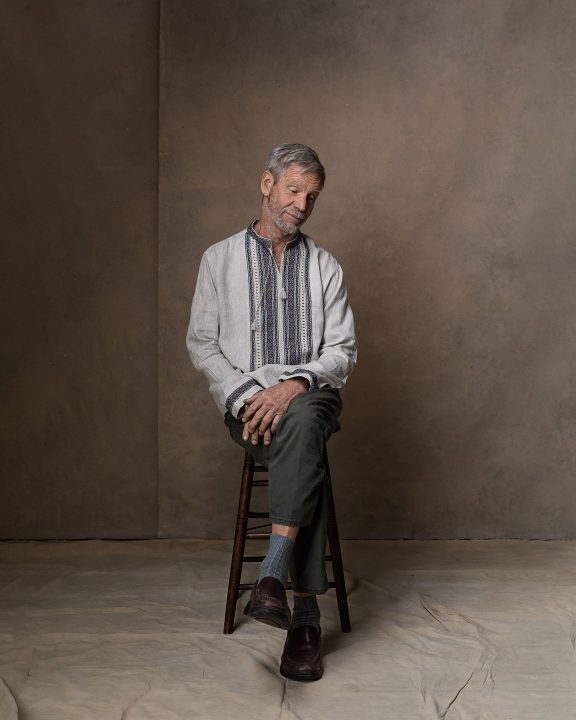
(447, 129)
(78, 164)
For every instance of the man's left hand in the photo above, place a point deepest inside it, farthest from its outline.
(265, 409)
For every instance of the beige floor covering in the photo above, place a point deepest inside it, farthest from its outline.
(481, 630)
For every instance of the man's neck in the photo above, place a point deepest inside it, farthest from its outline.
(272, 233)
(276, 237)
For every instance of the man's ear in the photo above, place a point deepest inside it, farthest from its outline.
(266, 182)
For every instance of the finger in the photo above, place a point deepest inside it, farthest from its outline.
(247, 431)
(266, 422)
(247, 415)
(255, 438)
(251, 409)
(276, 421)
(267, 437)
(255, 424)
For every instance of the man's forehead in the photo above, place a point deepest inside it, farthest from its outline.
(294, 173)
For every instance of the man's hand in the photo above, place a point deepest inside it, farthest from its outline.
(265, 409)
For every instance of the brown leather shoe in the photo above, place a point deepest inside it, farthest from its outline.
(268, 603)
(302, 656)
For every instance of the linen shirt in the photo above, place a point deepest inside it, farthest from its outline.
(253, 324)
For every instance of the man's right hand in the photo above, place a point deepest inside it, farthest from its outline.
(265, 409)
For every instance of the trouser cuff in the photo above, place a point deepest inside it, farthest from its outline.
(313, 590)
(286, 521)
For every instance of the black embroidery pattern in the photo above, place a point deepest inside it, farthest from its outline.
(231, 399)
(251, 293)
(292, 345)
(263, 298)
(268, 305)
(306, 308)
(302, 371)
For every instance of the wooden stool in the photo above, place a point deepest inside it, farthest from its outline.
(243, 533)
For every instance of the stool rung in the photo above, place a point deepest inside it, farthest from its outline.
(260, 483)
(258, 514)
(257, 536)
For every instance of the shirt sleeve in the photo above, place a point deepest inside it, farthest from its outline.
(337, 352)
(229, 385)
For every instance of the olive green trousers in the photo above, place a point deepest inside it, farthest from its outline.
(297, 479)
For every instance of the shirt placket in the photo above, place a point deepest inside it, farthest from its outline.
(280, 300)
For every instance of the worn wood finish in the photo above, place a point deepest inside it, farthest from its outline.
(336, 555)
(239, 542)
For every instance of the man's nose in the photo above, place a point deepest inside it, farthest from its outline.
(300, 203)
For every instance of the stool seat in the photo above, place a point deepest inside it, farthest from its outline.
(243, 533)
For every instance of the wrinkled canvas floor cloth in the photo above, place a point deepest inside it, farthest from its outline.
(478, 630)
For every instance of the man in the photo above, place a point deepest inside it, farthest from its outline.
(272, 330)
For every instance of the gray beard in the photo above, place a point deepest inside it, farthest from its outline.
(283, 227)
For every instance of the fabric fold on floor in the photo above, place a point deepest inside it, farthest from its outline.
(441, 630)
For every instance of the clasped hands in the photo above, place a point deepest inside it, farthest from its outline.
(265, 409)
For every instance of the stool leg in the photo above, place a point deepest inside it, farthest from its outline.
(335, 552)
(239, 543)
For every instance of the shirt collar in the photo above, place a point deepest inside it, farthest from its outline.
(268, 243)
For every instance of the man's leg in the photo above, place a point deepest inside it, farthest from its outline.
(268, 598)
(299, 493)
(298, 485)
(273, 564)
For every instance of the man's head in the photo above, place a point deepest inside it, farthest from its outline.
(292, 181)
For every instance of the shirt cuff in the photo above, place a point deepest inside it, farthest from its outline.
(235, 401)
(301, 372)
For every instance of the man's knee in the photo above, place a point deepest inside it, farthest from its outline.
(315, 409)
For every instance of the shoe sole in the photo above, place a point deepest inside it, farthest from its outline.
(266, 617)
(301, 677)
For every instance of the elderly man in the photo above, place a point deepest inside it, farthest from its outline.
(272, 330)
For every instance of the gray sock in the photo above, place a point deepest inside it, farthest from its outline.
(306, 611)
(275, 564)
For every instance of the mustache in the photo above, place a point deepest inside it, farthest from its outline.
(295, 213)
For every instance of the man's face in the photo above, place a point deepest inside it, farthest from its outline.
(290, 199)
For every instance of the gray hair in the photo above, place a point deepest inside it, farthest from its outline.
(294, 154)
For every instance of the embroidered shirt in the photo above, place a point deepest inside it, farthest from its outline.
(253, 324)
